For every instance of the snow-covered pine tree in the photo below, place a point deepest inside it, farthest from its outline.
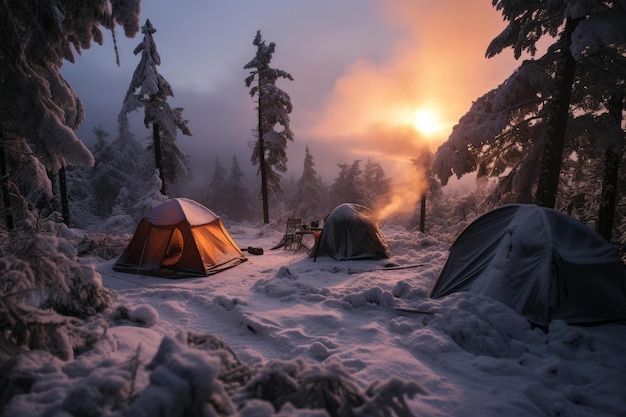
(148, 89)
(37, 104)
(501, 135)
(311, 198)
(121, 164)
(349, 187)
(274, 107)
(587, 28)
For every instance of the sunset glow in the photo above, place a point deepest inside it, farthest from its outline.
(426, 122)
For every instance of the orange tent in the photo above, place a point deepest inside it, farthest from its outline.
(179, 238)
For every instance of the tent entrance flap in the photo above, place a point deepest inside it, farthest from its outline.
(174, 250)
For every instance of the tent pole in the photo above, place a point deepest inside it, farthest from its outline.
(317, 246)
(143, 250)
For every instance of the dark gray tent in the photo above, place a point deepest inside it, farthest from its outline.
(350, 232)
(541, 262)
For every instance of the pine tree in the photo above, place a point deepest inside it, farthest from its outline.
(310, 199)
(39, 111)
(504, 133)
(148, 89)
(240, 202)
(274, 107)
(37, 105)
(587, 29)
(120, 164)
(216, 195)
(376, 184)
(349, 187)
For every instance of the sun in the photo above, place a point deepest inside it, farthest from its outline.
(426, 122)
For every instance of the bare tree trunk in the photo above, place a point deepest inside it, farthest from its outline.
(423, 214)
(158, 159)
(266, 212)
(550, 164)
(65, 209)
(4, 184)
(606, 214)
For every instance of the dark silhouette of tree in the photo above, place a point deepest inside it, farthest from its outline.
(310, 199)
(216, 194)
(612, 156)
(274, 107)
(148, 89)
(240, 202)
(558, 113)
(422, 164)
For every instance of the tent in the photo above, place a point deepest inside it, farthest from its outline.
(541, 262)
(350, 232)
(179, 238)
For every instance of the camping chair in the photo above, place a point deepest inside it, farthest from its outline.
(293, 240)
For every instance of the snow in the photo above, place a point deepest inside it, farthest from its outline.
(461, 355)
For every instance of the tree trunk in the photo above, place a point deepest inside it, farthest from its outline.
(558, 115)
(65, 209)
(423, 214)
(266, 212)
(606, 213)
(158, 160)
(4, 184)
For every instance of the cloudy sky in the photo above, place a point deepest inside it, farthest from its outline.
(363, 71)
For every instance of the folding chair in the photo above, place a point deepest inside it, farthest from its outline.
(293, 240)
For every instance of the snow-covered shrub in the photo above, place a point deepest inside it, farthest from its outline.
(27, 327)
(101, 245)
(184, 381)
(311, 386)
(86, 296)
(45, 261)
(73, 289)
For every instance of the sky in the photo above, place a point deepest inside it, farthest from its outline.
(362, 71)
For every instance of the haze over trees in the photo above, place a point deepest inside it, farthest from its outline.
(309, 201)
(148, 89)
(115, 190)
(366, 186)
(273, 108)
(227, 194)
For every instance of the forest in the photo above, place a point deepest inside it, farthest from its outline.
(551, 134)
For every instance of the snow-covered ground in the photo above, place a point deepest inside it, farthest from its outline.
(470, 355)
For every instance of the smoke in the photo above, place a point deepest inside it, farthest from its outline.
(408, 154)
(407, 189)
(438, 64)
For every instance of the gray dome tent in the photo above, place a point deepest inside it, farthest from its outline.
(541, 262)
(349, 233)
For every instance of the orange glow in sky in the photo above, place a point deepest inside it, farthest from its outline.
(380, 80)
(392, 109)
(427, 84)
